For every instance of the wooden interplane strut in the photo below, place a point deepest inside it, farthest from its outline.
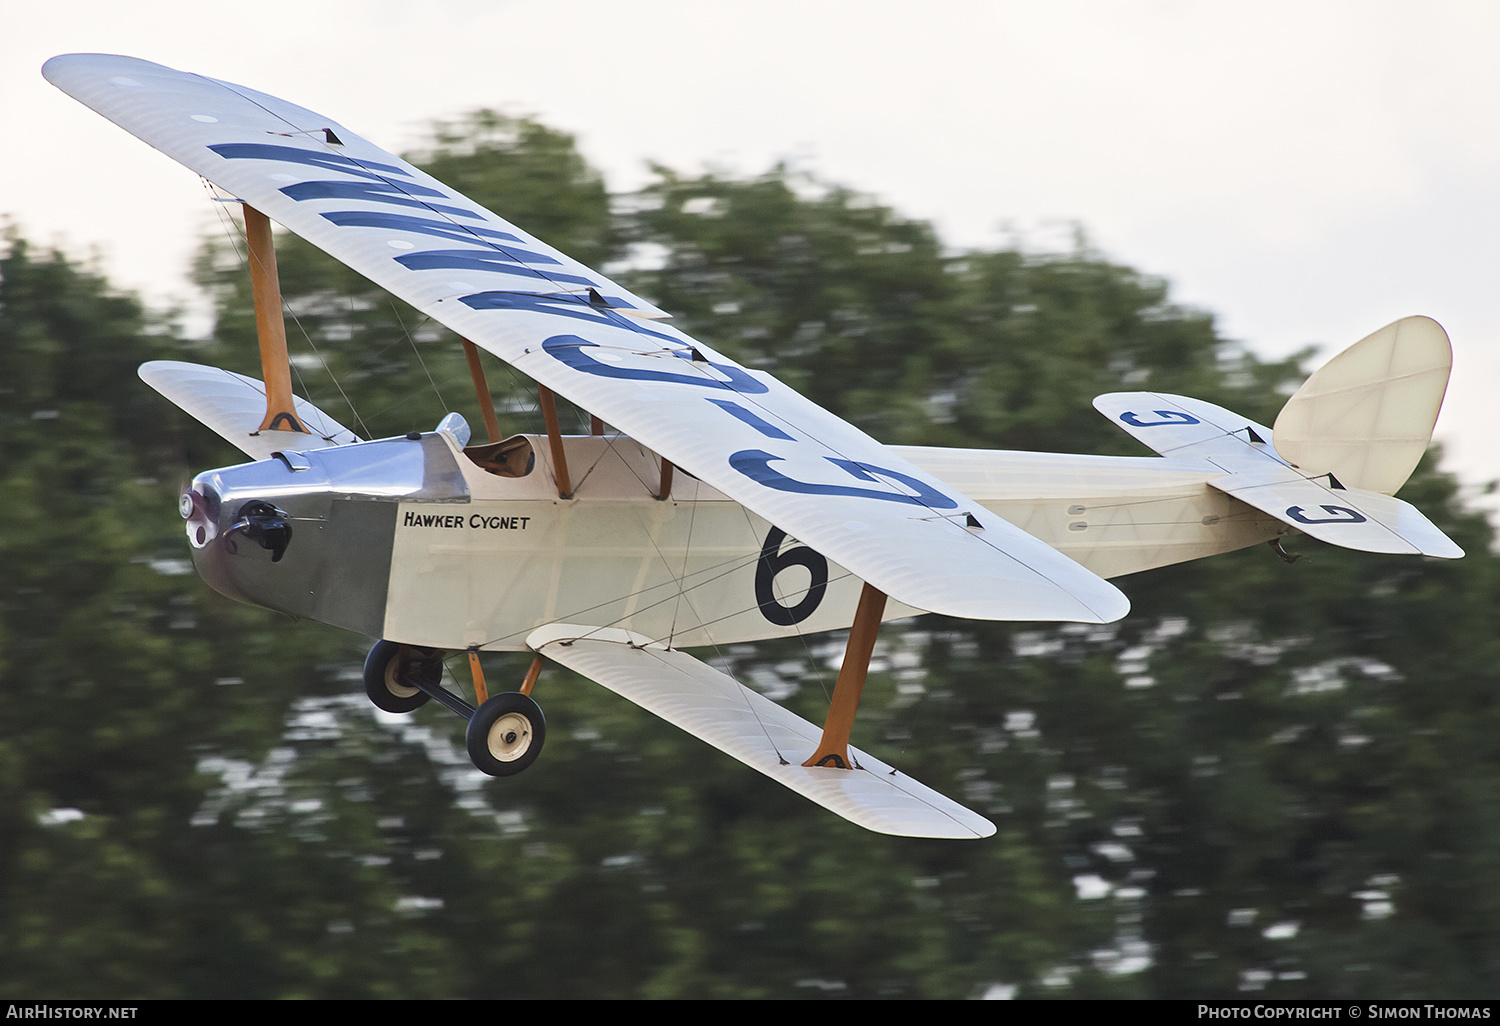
(270, 327)
(833, 749)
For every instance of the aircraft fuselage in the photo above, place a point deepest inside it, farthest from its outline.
(411, 540)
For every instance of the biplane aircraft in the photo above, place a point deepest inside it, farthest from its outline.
(722, 507)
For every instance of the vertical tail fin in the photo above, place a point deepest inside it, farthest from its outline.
(1366, 416)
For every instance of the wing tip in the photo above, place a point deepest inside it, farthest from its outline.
(53, 68)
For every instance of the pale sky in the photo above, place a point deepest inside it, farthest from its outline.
(1306, 171)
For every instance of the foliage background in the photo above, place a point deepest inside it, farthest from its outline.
(1269, 778)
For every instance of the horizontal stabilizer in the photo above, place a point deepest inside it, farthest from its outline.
(1176, 425)
(234, 406)
(715, 708)
(1351, 517)
(1255, 473)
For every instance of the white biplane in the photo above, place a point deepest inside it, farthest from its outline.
(786, 521)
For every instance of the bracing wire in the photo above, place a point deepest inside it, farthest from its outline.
(418, 352)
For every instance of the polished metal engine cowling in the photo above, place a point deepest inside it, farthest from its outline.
(310, 533)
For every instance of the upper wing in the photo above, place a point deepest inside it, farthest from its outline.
(575, 331)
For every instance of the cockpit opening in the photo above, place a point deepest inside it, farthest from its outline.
(509, 457)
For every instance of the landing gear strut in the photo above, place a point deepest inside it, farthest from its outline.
(505, 733)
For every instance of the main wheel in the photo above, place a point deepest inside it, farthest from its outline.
(389, 666)
(506, 734)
